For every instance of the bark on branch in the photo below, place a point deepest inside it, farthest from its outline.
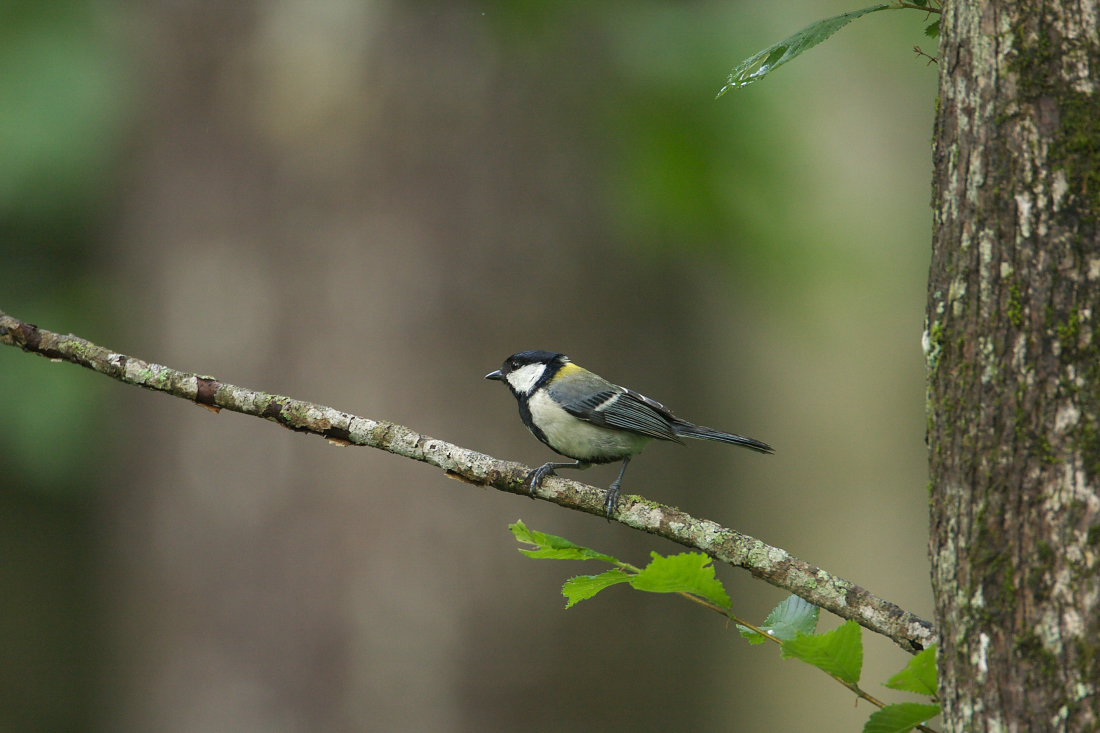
(772, 564)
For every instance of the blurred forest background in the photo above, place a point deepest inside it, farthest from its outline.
(369, 204)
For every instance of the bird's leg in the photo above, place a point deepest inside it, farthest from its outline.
(613, 492)
(534, 479)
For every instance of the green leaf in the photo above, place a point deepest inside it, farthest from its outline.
(793, 616)
(933, 30)
(688, 572)
(838, 652)
(757, 66)
(919, 675)
(552, 547)
(900, 718)
(583, 587)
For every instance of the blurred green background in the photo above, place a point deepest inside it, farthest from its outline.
(370, 205)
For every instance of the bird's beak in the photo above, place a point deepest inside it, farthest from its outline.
(495, 375)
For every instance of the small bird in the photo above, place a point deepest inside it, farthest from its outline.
(584, 417)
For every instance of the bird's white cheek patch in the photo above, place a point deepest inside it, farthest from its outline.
(523, 380)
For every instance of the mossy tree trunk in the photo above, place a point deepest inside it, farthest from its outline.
(1013, 345)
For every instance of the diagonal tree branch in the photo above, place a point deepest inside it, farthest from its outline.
(772, 564)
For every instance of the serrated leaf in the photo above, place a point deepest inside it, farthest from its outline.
(760, 64)
(838, 652)
(919, 675)
(552, 547)
(583, 587)
(688, 572)
(933, 30)
(900, 718)
(793, 616)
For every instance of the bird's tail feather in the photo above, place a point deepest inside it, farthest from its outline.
(701, 432)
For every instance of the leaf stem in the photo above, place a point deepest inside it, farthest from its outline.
(914, 6)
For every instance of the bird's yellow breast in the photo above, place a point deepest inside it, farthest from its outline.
(578, 439)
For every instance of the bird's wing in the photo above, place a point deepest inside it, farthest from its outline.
(626, 410)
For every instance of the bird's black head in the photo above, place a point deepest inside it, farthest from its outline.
(526, 370)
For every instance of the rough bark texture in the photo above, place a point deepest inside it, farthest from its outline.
(1014, 366)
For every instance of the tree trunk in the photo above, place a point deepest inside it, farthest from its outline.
(1013, 351)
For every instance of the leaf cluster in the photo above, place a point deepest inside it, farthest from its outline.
(792, 624)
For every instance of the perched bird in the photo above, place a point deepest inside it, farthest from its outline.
(584, 417)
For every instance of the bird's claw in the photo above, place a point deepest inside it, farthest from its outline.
(536, 477)
(611, 503)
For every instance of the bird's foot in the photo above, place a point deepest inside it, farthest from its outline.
(535, 478)
(611, 503)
